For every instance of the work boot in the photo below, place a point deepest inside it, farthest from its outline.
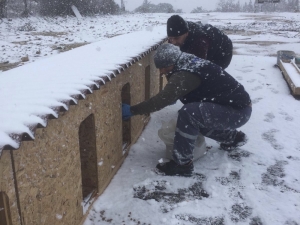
(240, 140)
(173, 169)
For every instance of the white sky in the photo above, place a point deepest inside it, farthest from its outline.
(186, 5)
(263, 186)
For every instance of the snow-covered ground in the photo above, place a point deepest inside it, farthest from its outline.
(257, 184)
(27, 40)
(38, 38)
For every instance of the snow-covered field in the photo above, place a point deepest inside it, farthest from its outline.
(27, 40)
(258, 184)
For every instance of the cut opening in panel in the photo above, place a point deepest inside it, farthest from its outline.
(126, 124)
(161, 82)
(5, 216)
(147, 83)
(88, 158)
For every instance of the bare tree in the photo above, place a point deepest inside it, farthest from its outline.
(198, 10)
(3, 8)
(25, 13)
(90, 7)
(122, 6)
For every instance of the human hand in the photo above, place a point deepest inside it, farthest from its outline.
(126, 114)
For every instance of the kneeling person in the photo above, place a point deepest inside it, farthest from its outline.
(215, 105)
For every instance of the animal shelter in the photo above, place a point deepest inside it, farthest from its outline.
(53, 177)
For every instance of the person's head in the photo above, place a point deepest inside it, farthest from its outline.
(177, 30)
(166, 57)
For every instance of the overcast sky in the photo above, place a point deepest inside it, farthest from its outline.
(186, 5)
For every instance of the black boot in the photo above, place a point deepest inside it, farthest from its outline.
(240, 140)
(173, 169)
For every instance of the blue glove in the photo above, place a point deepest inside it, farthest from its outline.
(126, 114)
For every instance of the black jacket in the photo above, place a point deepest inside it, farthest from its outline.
(217, 86)
(208, 42)
(196, 80)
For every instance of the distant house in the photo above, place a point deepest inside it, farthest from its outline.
(53, 178)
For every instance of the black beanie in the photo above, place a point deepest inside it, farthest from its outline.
(176, 26)
(166, 55)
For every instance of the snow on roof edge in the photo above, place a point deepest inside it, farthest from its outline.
(12, 140)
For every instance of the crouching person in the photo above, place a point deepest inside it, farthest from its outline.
(215, 105)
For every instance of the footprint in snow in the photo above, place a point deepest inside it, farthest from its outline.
(218, 220)
(257, 88)
(239, 78)
(274, 90)
(273, 173)
(274, 177)
(233, 178)
(270, 137)
(261, 74)
(256, 100)
(269, 117)
(287, 116)
(291, 222)
(247, 70)
(238, 154)
(251, 81)
(295, 158)
(240, 212)
(255, 221)
(235, 193)
(158, 190)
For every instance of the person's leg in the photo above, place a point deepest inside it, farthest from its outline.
(215, 121)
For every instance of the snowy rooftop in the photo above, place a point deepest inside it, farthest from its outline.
(30, 94)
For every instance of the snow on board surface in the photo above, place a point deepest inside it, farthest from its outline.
(293, 72)
(62, 76)
(256, 184)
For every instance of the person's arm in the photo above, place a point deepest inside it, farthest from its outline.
(179, 84)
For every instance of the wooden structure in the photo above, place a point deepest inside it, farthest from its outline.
(51, 179)
(260, 3)
(290, 70)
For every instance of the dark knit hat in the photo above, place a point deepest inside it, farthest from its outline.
(176, 26)
(166, 55)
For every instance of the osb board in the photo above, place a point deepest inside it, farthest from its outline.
(48, 173)
(5, 215)
(7, 185)
(295, 90)
(48, 169)
(109, 137)
(88, 155)
(108, 126)
(155, 78)
(136, 77)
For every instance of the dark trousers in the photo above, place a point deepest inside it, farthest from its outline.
(214, 121)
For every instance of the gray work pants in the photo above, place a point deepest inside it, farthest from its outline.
(214, 121)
